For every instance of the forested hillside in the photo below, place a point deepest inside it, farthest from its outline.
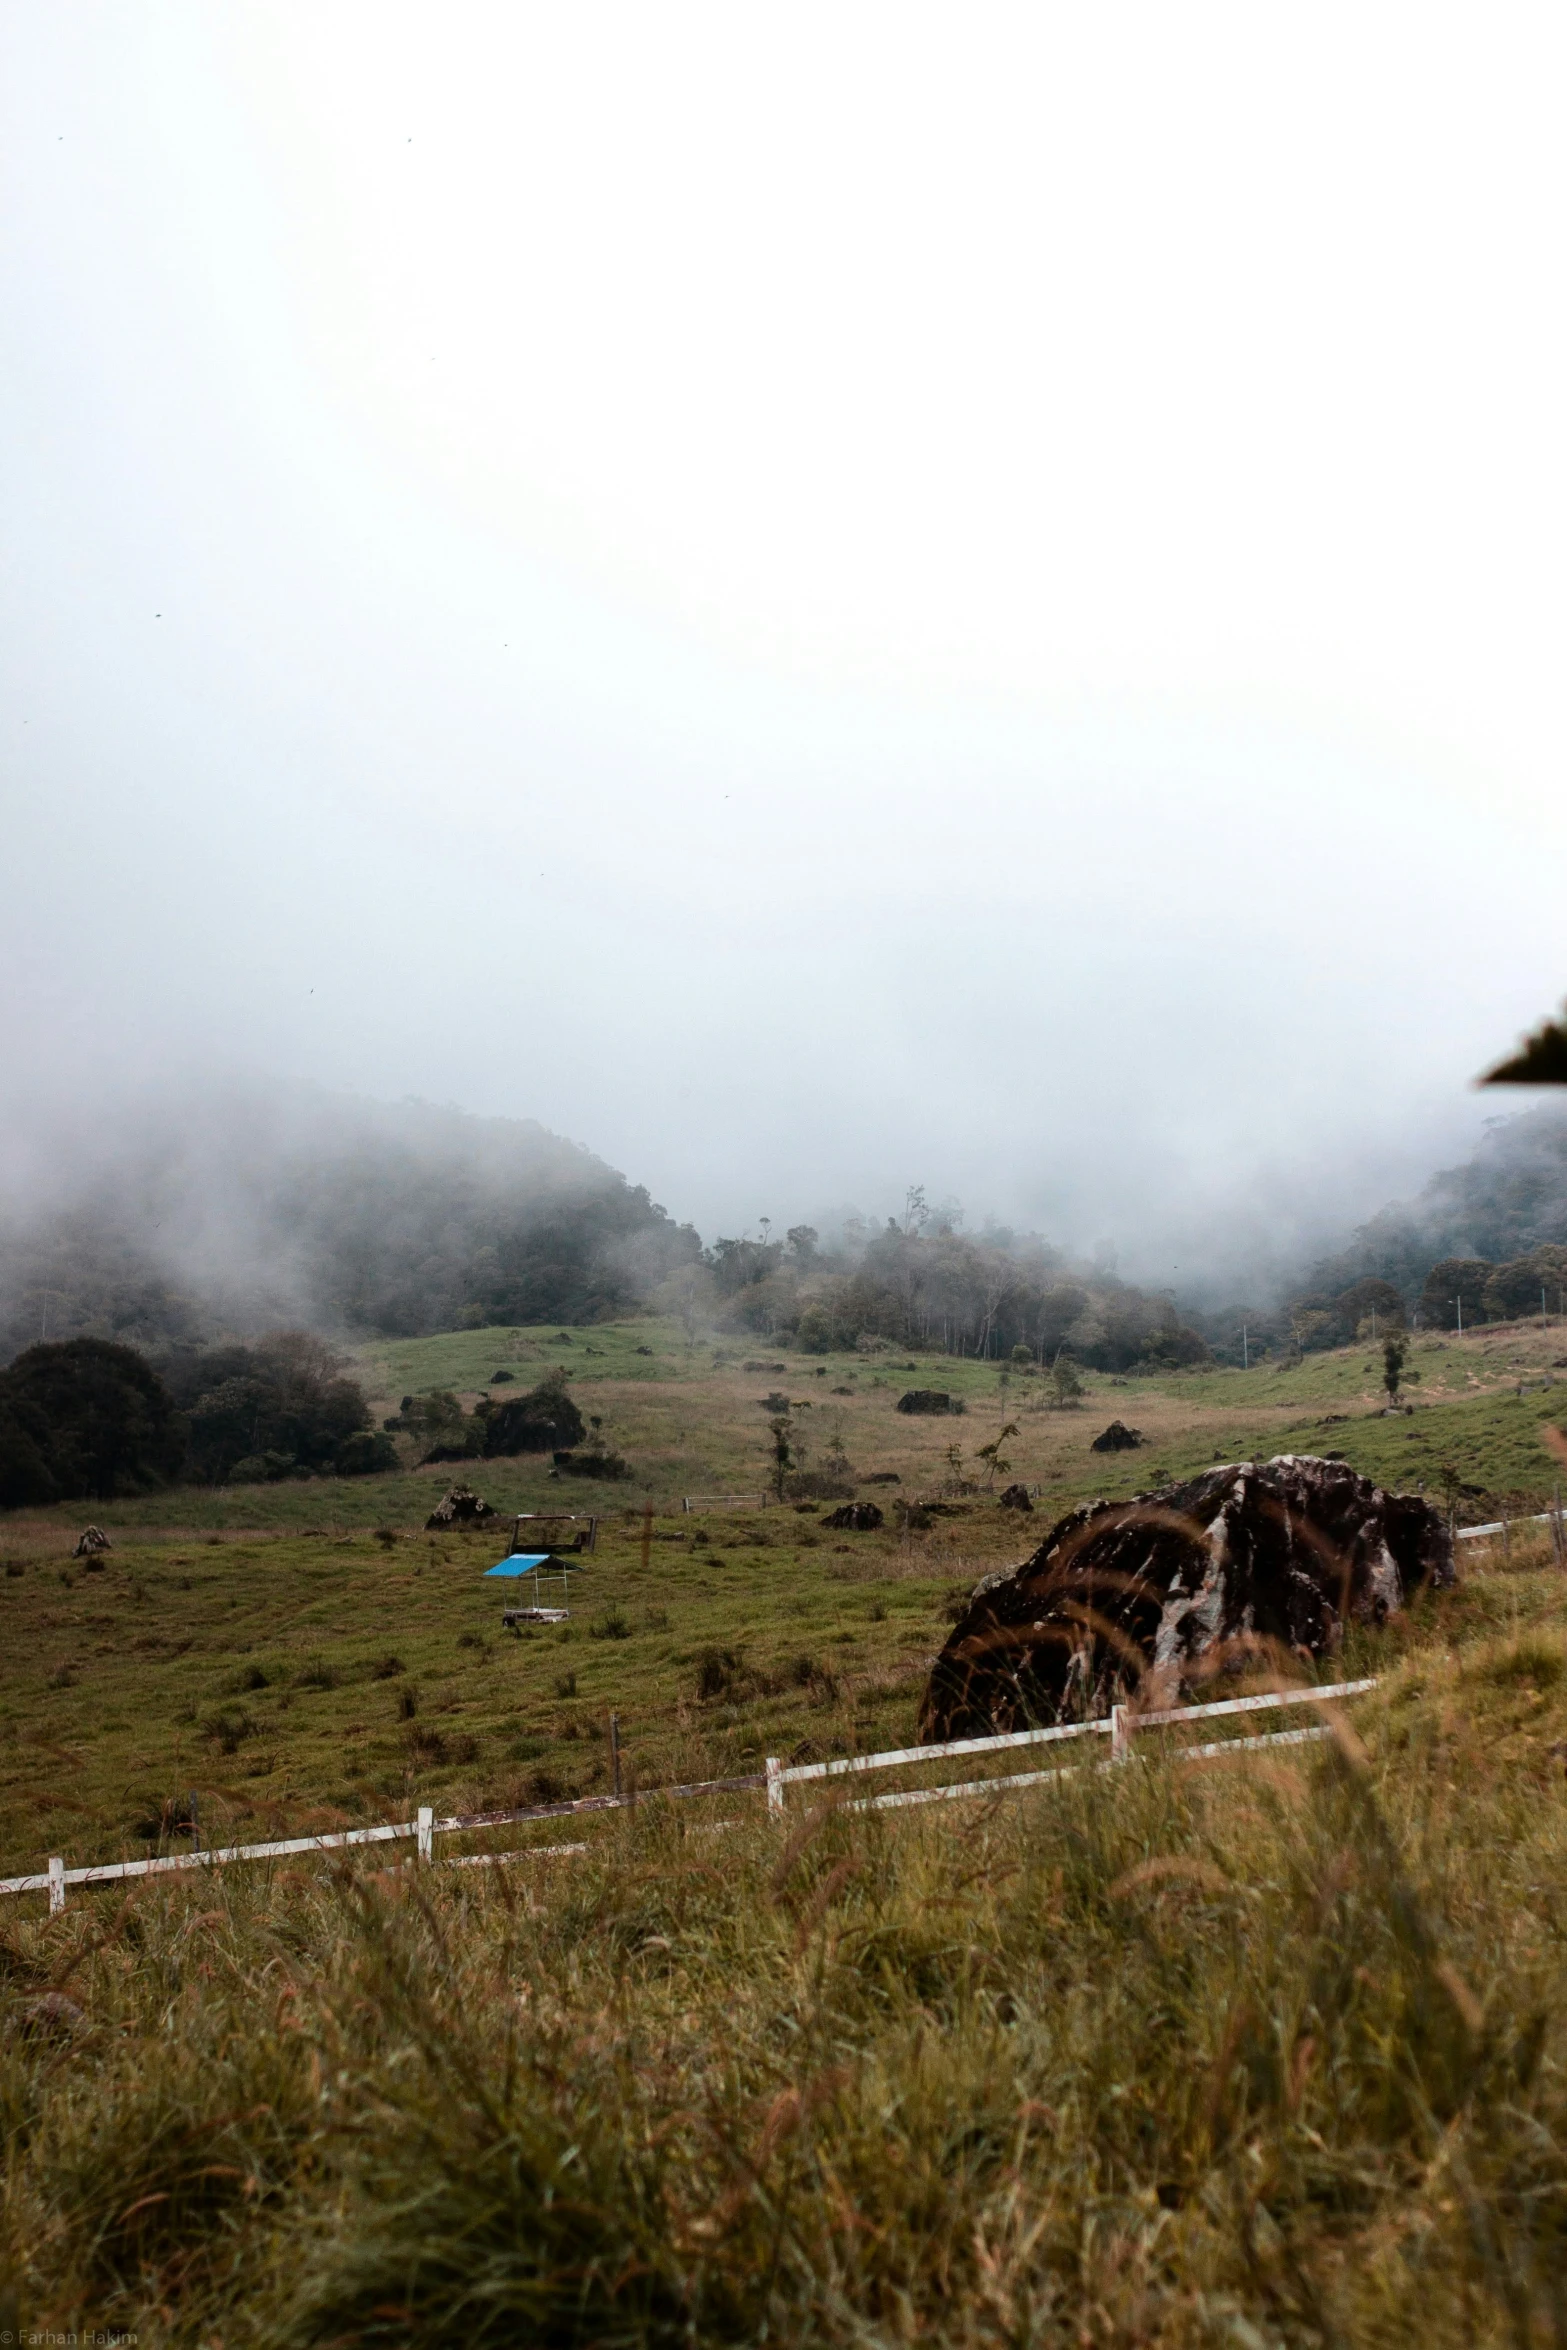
(225, 1217)
(1486, 1241)
(922, 1282)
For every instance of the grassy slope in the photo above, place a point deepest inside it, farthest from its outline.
(272, 1669)
(982, 2078)
(1270, 2055)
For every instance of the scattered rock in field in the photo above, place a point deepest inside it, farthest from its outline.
(1237, 1564)
(90, 1541)
(1015, 1497)
(1117, 1438)
(927, 1399)
(458, 1506)
(856, 1517)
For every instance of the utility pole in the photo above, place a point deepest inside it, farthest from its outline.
(1245, 1354)
(1373, 1325)
(1459, 1303)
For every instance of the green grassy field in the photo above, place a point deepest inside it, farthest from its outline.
(1267, 2053)
(295, 1670)
(1264, 2053)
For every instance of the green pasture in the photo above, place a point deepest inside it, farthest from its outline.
(304, 1652)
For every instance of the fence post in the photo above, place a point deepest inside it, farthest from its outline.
(775, 1793)
(614, 1749)
(426, 1832)
(1120, 1736)
(56, 1885)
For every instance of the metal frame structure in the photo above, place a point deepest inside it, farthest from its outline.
(585, 1541)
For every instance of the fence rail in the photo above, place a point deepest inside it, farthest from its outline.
(1500, 1526)
(1123, 1723)
(423, 1828)
(1121, 1726)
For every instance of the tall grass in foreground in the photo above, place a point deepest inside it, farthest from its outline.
(1267, 2053)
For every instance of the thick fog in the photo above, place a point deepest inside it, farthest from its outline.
(815, 600)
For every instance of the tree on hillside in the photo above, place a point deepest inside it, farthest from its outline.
(26, 1478)
(437, 1423)
(85, 1418)
(1449, 1281)
(1370, 1301)
(783, 1454)
(1517, 1289)
(995, 1460)
(1393, 1357)
(270, 1410)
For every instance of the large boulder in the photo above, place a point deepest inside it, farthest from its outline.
(1241, 1564)
(1117, 1438)
(929, 1399)
(855, 1517)
(459, 1505)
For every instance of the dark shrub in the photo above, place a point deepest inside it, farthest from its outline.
(85, 1417)
(716, 1672)
(545, 1419)
(608, 1465)
(262, 1468)
(228, 1729)
(284, 1402)
(927, 1400)
(367, 1453)
(819, 1485)
(26, 1478)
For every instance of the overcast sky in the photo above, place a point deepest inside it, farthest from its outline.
(818, 598)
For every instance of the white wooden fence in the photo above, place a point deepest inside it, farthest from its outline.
(1121, 1727)
(424, 1827)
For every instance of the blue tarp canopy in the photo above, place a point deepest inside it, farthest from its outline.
(520, 1563)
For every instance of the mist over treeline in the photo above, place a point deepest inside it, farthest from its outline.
(1484, 1242)
(222, 1217)
(920, 1281)
(242, 1214)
